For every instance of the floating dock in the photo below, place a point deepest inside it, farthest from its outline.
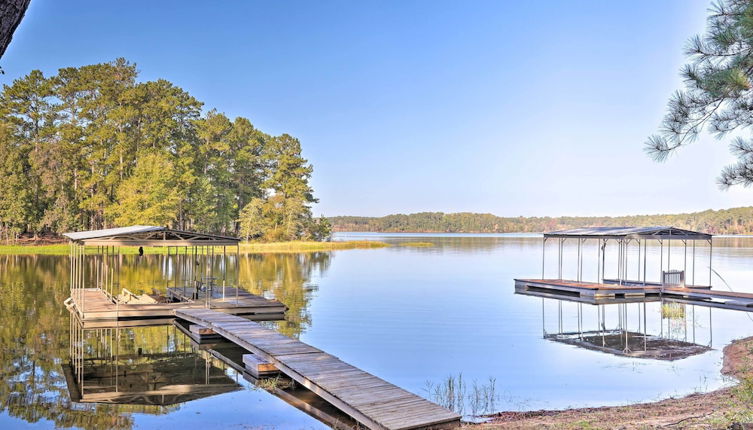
(96, 308)
(605, 293)
(371, 401)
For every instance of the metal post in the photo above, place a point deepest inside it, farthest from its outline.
(638, 274)
(644, 261)
(543, 323)
(711, 252)
(598, 260)
(694, 262)
(543, 256)
(603, 258)
(577, 277)
(661, 261)
(684, 259)
(619, 260)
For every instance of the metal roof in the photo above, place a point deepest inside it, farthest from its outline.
(91, 234)
(654, 232)
(148, 235)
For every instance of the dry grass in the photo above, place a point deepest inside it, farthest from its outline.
(301, 246)
(417, 244)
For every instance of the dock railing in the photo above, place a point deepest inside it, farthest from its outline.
(673, 278)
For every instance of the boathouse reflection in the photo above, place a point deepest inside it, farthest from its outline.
(154, 369)
(639, 328)
(153, 366)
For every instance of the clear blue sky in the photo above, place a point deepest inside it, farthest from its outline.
(514, 108)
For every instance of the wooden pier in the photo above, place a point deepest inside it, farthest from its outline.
(99, 309)
(371, 401)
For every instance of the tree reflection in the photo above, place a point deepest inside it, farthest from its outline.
(35, 331)
(289, 278)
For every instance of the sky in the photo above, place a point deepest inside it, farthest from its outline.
(513, 108)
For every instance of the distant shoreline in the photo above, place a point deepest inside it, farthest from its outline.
(724, 221)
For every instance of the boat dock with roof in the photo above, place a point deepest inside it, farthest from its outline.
(197, 263)
(633, 282)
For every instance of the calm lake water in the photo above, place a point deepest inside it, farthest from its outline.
(417, 316)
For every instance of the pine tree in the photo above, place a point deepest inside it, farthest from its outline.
(717, 92)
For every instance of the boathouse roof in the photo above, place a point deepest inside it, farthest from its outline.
(148, 235)
(655, 232)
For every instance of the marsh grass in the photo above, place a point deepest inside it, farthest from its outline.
(270, 384)
(418, 244)
(673, 311)
(455, 394)
(303, 246)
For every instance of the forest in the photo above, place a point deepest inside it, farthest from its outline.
(92, 147)
(726, 221)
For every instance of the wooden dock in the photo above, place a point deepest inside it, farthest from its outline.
(98, 309)
(371, 401)
(606, 293)
(585, 289)
(296, 395)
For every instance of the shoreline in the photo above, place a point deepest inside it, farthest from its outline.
(720, 408)
(245, 247)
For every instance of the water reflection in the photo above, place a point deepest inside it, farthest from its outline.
(151, 366)
(622, 329)
(408, 315)
(104, 377)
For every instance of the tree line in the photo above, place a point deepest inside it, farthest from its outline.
(92, 147)
(727, 221)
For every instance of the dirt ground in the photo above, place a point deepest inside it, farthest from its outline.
(726, 408)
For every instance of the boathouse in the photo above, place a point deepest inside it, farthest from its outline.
(629, 262)
(199, 270)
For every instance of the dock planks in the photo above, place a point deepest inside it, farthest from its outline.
(370, 400)
(597, 293)
(97, 309)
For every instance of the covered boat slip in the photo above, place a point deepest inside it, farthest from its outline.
(629, 274)
(197, 272)
(634, 282)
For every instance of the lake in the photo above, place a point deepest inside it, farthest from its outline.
(421, 316)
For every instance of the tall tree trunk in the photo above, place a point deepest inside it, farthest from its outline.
(11, 13)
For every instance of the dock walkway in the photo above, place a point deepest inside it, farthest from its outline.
(373, 402)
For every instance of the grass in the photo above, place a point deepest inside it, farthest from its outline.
(246, 247)
(302, 246)
(417, 244)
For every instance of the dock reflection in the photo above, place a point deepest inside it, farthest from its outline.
(646, 328)
(154, 369)
(124, 366)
